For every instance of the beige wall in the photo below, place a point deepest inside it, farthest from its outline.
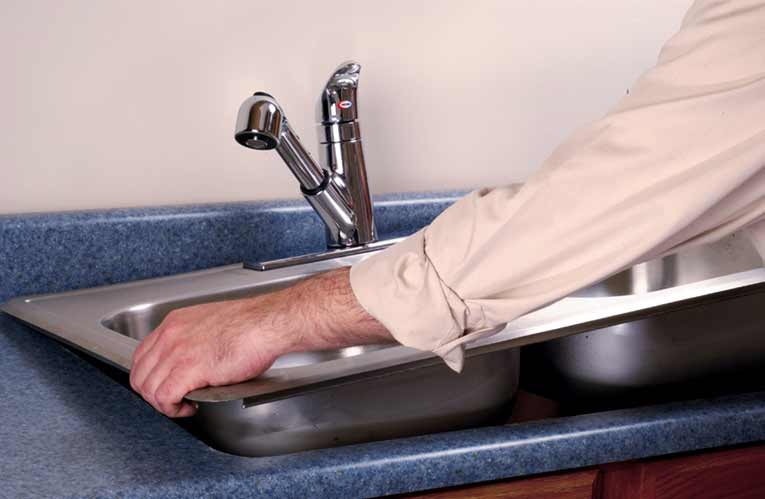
(130, 103)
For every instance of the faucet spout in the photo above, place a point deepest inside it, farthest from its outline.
(261, 125)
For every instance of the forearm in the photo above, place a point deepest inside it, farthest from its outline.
(321, 313)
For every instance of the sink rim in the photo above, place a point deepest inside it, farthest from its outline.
(565, 317)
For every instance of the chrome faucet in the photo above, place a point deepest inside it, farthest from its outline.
(339, 192)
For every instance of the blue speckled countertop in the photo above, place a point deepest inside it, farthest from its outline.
(67, 430)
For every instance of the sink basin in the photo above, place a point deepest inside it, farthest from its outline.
(688, 344)
(730, 255)
(642, 326)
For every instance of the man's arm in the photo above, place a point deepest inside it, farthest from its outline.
(679, 161)
(228, 342)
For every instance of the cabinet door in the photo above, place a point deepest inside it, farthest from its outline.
(572, 485)
(730, 474)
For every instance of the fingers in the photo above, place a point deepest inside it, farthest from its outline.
(153, 365)
(163, 374)
(186, 410)
(146, 344)
(166, 385)
(170, 322)
(170, 392)
(145, 359)
(148, 386)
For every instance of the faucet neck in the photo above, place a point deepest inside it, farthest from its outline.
(341, 147)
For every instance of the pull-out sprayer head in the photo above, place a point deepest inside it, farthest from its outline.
(261, 125)
(259, 122)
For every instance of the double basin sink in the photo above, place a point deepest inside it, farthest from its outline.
(676, 318)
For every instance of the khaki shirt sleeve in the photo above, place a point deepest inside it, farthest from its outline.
(679, 161)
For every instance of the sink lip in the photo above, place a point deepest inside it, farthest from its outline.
(565, 317)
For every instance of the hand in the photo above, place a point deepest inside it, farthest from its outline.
(227, 342)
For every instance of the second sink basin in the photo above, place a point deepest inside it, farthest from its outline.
(693, 343)
(730, 255)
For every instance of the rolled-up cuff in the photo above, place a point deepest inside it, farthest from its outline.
(401, 288)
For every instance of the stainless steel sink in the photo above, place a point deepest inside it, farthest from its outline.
(320, 399)
(688, 344)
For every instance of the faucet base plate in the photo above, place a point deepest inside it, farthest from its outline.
(318, 257)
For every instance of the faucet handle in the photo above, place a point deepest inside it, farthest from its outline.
(338, 100)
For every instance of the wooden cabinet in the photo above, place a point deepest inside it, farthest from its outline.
(573, 485)
(735, 473)
(730, 473)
